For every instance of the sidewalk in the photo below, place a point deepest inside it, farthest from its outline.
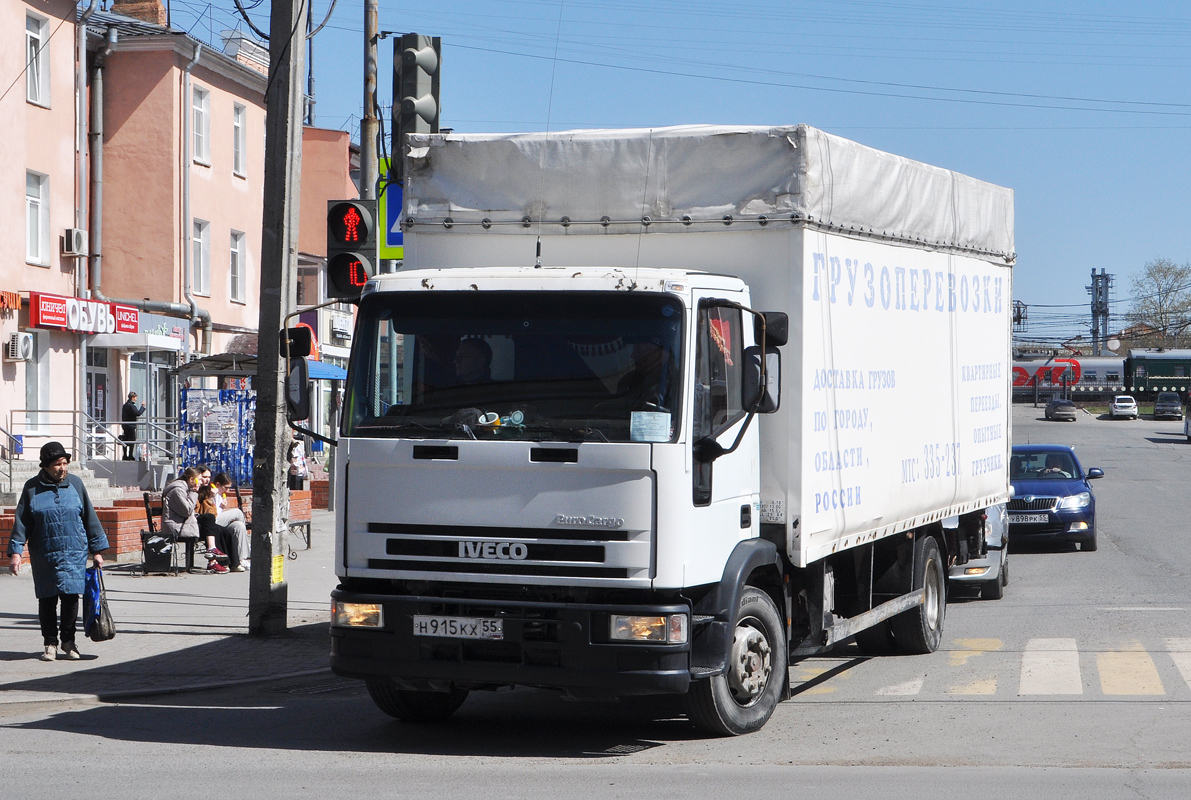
(172, 633)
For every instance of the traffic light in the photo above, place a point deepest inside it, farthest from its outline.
(417, 62)
(351, 246)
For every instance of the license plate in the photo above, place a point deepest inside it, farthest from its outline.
(459, 627)
(1028, 518)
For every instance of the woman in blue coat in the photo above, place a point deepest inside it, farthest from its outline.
(56, 520)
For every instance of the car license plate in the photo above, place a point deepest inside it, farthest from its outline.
(1026, 519)
(459, 627)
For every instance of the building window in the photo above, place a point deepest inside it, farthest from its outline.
(202, 125)
(239, 139)
(37, 61)
(37, 218)
(235, 273)
(200, 263)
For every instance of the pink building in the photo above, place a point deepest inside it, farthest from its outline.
(136, 245)
(153, 219)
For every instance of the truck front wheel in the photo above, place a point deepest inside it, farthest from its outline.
(743, 699)
(920, 630)
(411, 706)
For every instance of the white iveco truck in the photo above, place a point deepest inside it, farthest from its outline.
(657, 411)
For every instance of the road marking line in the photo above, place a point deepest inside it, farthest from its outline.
(1180, 653)
(1141, 608)
(902, 689)
(973, 647)
(981, 686)
(1050, 666)
(1128, 672)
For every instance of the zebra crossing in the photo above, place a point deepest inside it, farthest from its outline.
(986, 668)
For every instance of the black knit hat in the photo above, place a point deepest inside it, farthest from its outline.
(51, 452)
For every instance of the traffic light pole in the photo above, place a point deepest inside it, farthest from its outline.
(369, 165)
(267, 589)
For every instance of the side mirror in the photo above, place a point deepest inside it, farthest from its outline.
(297, 390)
(1095, 472)
(777, 328)
(751, 389)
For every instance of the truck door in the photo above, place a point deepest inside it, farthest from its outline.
(724, 489)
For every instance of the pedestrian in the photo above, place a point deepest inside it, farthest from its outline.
(297, 465)
(128, 416)
(58, 524)
(221, 540)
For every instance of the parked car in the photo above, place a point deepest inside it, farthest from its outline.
(989, 572)
(1123, 406)
(1059, 409)
(1052, 497)
(1168, 404)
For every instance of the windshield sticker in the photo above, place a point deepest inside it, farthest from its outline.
(649, 426)
(721, 334)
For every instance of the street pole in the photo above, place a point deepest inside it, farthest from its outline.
(368, 126)
(284, 107)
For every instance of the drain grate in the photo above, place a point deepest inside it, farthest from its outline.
(322, 687)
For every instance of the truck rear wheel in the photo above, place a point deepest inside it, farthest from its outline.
(743, 699)
(411, 706)
(920, 630)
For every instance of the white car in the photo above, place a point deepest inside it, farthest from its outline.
(1123, 406)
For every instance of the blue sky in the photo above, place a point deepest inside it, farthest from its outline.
(1083, 108)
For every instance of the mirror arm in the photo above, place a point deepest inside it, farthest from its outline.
(312, 434)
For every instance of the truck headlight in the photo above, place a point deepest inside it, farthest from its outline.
(1081, 500)
(357, 615)
(669, 629)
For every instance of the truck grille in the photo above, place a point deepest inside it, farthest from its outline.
(1033, 504)
(544, 552)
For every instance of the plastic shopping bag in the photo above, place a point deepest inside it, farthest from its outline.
(97, 618)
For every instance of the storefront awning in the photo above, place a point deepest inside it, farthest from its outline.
(322, 371)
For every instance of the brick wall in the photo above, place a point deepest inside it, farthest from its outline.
(320, 494)
(124, 520)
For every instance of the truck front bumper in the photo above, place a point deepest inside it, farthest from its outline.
(550, 645)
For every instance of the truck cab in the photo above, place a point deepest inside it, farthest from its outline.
(544, 472)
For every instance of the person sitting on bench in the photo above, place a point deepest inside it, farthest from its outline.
(178, 502)
(221, 539)
(230, 517)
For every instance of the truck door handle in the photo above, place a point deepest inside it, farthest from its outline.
(746, 516)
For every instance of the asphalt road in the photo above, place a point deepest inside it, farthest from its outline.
(1076, 684)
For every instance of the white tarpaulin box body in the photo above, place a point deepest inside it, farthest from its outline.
(897, 277)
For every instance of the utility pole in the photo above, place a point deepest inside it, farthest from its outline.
(368, 126)
(284, 107)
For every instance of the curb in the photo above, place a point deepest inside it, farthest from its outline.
(110, 697)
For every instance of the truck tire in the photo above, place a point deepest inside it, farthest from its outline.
(743, 699)
(920, 630)
(411, 706)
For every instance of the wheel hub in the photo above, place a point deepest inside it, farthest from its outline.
(751, 663)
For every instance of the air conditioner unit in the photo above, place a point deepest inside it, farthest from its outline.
(19, 347)
(74, 242)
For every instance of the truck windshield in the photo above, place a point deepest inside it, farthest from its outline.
(575, 366)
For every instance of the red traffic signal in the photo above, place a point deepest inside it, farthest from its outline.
(347, 274)
(351, 246)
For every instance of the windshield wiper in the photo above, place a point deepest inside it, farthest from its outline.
(395, 428)
(567, 434)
